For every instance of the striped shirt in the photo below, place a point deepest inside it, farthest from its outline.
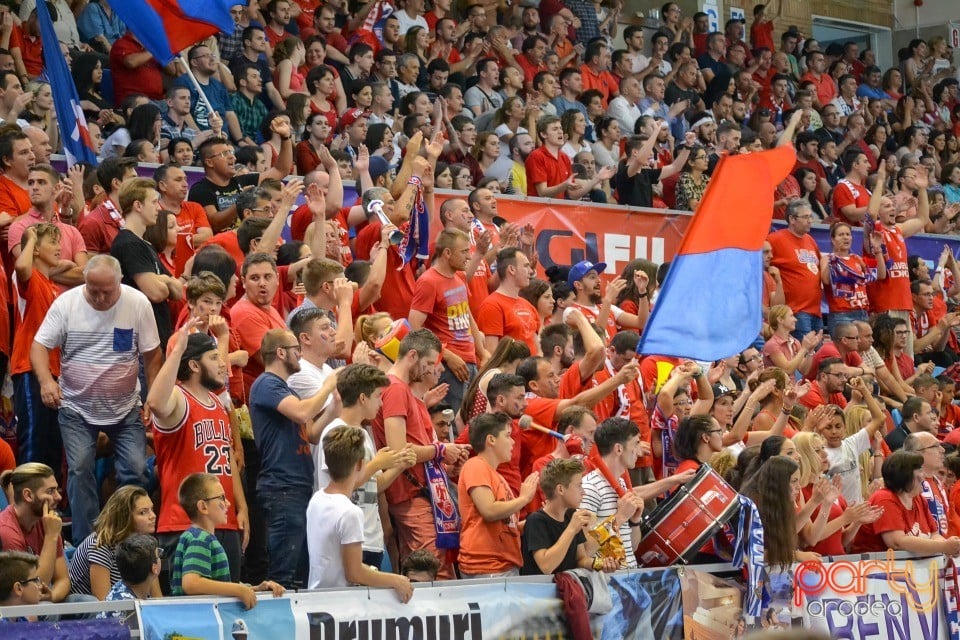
(100, 351)
(87, 554)
(198, 552)
(600, 498)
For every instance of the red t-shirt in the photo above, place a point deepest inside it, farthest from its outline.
(251, 323)
(799, 262)
(146, 79)
(537, 444)
(825, 86)
(100, 227)
(814, 398)
(397, 291)
(509, 470)
(626, 402)
(543, 166)
(893, 292)
(500, 315)
(398, 401)
(916, 522)
(486, 547)
(444, 301)
(761, 35)
(199, 444)
(847, 193)
(38, 293)
(603, 81)
(833, 544)
(14, 538)
(572, 382)
(593, 313)
(190, 219)
(829, 350)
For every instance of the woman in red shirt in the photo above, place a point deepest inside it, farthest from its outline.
(906, 523)
(832, 530)
(845, 276)
(775, 489)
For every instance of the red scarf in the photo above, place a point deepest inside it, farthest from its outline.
(594, 460)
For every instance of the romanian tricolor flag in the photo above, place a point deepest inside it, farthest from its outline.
(167, 27)
(709, 306)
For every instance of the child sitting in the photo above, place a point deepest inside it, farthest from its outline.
(138, 561)
(20, 582)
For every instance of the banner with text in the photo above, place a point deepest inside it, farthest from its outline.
(881, 598)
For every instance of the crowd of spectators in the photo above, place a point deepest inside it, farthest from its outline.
(313, 406)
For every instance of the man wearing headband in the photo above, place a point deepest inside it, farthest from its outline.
(192, 434)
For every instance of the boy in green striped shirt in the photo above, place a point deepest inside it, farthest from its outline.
(200, 564)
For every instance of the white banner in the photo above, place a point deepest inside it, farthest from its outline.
(457, 611)
(861, 599)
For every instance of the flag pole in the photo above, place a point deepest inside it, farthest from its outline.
(196, 85)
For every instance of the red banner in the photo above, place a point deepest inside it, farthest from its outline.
(566, 233)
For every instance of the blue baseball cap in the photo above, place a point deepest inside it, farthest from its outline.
(582, 268)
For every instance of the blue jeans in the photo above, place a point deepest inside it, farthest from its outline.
(806, 322)
(285, 515)
(835, 318)
(80, 444)
(457, 389)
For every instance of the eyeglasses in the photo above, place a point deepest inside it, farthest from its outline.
(223, 154)
(221, 498)
(904, 332)
(295, 347)
(932, 446)
(713, 431)
(37, 580)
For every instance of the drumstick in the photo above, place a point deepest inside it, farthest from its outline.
(526, 422)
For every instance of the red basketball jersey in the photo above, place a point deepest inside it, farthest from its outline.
(199, 444)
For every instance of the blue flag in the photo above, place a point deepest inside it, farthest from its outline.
(66, 102)
(167, 27)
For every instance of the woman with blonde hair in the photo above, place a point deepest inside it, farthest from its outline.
(93, 568)
(772, 405)
(370, 327)
(784, 351)
(40, 111)
(855, 418)
(832, 530)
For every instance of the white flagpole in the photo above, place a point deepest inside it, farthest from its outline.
(196, 85)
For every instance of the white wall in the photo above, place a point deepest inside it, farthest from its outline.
(933, 12)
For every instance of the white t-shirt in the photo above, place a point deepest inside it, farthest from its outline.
(406, 22)
(100, 352)
(844, 461)
(306, 383)
(332, 521)
(366, 496)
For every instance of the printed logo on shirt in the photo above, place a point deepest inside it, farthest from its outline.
(809, 258)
